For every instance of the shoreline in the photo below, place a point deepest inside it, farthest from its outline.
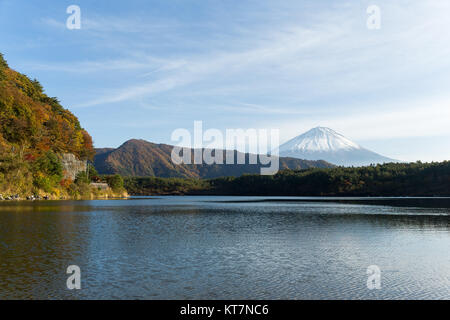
(103, 196)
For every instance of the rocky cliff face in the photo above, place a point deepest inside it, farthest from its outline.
(72, 166)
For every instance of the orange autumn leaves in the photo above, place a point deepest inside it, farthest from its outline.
(36, 123)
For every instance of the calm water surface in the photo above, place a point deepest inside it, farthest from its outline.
(226, 248)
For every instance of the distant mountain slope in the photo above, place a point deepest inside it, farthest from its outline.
(143, 158)
(326, 144)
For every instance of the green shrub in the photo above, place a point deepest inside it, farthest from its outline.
(82, 178)
(44, 183)
(115, 182)
(50, 165)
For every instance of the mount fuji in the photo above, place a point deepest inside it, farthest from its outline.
(326, 144)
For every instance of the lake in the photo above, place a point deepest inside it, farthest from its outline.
(226, 248)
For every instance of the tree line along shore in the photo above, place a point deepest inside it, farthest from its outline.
(387, 180)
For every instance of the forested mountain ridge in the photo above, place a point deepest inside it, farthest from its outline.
(143, 158)
(34, 122)
(35, 131)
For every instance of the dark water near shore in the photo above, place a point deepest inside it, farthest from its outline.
(226, 248)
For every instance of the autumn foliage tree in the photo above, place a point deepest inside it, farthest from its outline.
(35, 128)
(29, 117)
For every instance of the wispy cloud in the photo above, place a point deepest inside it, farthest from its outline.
(50, 22)
(426, 118)
(225, 64)
(135, 24)
(150, 64)
(334, 56)
(293, 64)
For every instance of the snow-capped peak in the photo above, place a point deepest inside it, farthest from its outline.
(319, 139)
(325, 144)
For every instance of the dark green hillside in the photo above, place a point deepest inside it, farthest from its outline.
(395, 179)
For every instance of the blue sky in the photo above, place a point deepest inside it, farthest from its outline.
(141, 69)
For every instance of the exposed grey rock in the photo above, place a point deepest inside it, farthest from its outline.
(101, 186)
(72, 166)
